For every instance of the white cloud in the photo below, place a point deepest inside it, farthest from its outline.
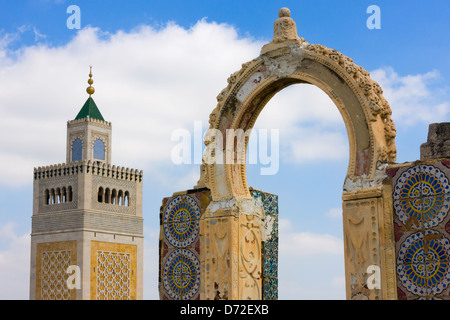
(148, 83)
(335, 213)
(299, 103)
(338, 282)
(413, 98)
(301, 244)
(310, 265)
(37, 34)
(151, 260)
(308, 243)
(316, 143)
(311, 127)
(14, 263)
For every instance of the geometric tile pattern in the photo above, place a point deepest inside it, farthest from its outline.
(113, 275)
(52, 261)
(113, 271)
(179, 246)
(53, 275)
(179, 265)
(181, 276)
(270, 245)
(181, 221)
(421, 195)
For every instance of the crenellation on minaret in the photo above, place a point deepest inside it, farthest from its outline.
(92, 167)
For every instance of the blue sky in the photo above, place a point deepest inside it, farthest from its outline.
(159, 65)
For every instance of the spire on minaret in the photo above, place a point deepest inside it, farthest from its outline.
(90, 90)
(89, 108)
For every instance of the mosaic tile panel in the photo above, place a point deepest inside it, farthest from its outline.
(54, 276)
(421, 196)
(181, 275)
(181, 221)
(179, 266)
(52, 261)
(270, 245)
(113, 271)
(113, 275)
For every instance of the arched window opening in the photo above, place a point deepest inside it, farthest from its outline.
(100, 194)
(127, 199)
(47, 197)
(107, 195)
(77, 150)
(120, 198)
(63, 195)
(114, 197)
(99, 149)
(69, 193)
(58, 195)
(52, 196)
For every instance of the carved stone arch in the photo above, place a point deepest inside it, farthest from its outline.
(367, 199)
(366, 113)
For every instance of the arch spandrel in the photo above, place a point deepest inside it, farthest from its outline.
(290, 60)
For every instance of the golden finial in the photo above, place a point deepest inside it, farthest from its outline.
(90, 90)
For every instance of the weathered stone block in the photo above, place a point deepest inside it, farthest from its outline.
(438, 143)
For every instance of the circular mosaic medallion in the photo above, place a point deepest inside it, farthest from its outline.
(181, 221)
(181, 275)
(421, 192)
(434, 181)
(423, 265)
(421, 181)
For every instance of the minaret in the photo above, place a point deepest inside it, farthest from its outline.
(89, 135)
(87, 226)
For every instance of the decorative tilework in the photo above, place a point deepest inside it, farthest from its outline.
(270, 202)
(181, 274)
(181, 221)
(426, 212)
(421, 196)
(52, 261)
(179, 266)
(421, 180)
(54, 276)
(113, 275)
(421, 204)
(270, 267)
(270, 245)
(270, 289)
(423, 263)
(113, 271)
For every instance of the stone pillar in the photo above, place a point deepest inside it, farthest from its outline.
(369, 244)
(231, 260)
(438, 143)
